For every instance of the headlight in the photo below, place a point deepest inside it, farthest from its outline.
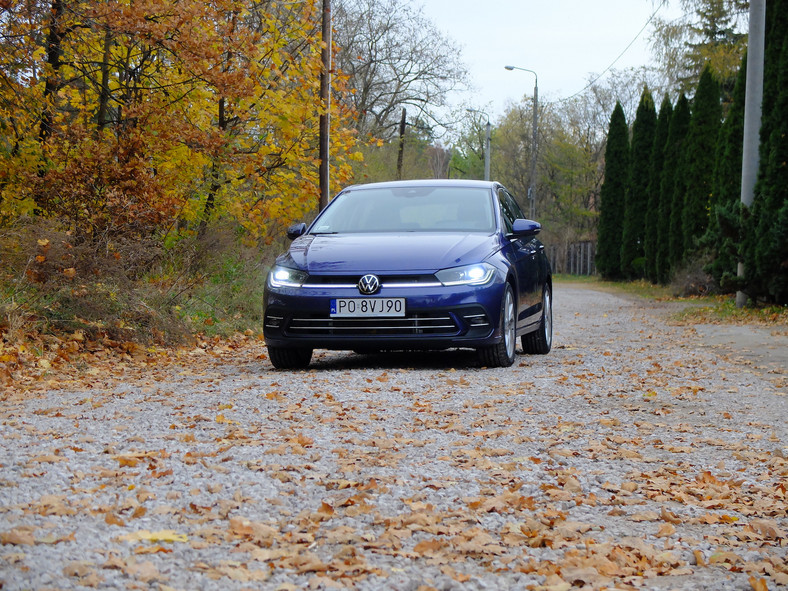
(285, 277)
(468, 275)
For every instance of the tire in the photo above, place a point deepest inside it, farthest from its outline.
(503, 353)
(540, 341)
(289, 358)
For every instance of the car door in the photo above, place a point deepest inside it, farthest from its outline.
(523, 253)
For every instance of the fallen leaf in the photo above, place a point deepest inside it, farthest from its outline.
(17, 537)
(165, 535)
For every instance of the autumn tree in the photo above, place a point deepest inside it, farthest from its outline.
(613, 196)
(467, 159)
(512, 148)
(636, 200)
(570, 172)
(129, 117)
(394, 57)
(422, 157)
(711, 32)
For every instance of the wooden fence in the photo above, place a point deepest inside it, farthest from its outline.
(576, 258)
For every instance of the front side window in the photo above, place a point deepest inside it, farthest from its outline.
(510, 211)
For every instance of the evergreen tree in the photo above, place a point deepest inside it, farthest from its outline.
(766, 247)
(669, 234)
(722, 236)
(701, 148)
(634, 228)
(613, 195)
(655, 208)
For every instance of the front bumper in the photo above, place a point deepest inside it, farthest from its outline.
(435, 318)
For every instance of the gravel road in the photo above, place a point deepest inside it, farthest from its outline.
(630, 457)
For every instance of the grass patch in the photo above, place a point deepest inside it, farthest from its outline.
(133, 291)
(639, 288)
(723, 310)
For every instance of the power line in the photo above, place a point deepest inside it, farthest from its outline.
(620, 55)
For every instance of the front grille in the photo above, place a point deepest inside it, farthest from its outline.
(349, 281)
(439, 323)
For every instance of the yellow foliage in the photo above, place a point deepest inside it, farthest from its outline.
(190, 110)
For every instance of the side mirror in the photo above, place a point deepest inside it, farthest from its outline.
(296, 230)
(525, 228)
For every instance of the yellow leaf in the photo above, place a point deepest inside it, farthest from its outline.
(164, 535)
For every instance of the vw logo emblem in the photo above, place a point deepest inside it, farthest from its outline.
(369, 284)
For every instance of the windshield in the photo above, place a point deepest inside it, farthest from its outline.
(409, 209)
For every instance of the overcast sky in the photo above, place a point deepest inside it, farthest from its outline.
(563, 41)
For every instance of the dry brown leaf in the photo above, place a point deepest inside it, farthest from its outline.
(428, 546)
(145, 571)
(669, 517)
(700, 560)
(78, 568)
(645, 516)
(769, 529)
(112, 519)
(666, 530)
(18, 537)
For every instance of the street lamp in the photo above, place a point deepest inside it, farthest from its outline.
(532, 183)
(486, 144)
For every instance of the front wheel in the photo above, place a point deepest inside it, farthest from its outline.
(289, 358)
(502, 354)
(540, 341)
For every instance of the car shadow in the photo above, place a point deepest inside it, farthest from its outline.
(448, 359)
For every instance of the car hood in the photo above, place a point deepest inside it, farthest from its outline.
(395, 252)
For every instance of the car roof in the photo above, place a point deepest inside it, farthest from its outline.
(428, 183)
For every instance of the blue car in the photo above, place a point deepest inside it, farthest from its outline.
(412, 265)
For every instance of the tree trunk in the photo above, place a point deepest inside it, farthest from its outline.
(401, 151)
(104, 95)
(52, 84)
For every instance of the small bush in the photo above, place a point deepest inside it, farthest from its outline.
(690, 279)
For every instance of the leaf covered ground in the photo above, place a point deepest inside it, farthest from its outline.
(630, 457)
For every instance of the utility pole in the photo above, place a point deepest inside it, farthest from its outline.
(752, 116)
(401, 150)
(534, 143)
(325, 102)
(488, 127)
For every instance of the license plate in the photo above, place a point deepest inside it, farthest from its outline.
(367, 307)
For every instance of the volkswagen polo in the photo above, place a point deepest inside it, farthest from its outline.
(412, 265)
